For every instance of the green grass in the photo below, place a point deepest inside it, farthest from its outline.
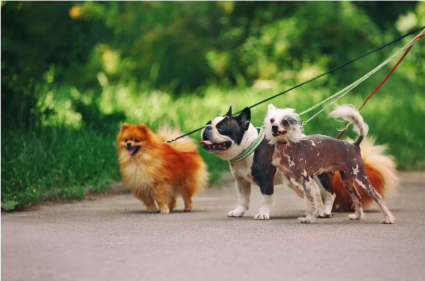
(64, 161)
(54, 162)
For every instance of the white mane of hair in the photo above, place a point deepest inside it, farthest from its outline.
(295, 133)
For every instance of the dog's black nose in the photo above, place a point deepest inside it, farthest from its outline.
(275, 128)
(128, 144)
(208, 128)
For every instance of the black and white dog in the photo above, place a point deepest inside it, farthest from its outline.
(231, 137)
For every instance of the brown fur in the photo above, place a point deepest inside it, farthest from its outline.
(160, 172)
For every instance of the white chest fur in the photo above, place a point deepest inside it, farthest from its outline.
(136, 175)
(242, 169)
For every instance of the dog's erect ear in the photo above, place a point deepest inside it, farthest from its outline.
(124, 127)
(143, 127)
(244, 118)
(271, 107)
(229, 113)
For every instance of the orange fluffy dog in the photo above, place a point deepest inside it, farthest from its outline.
(381, 172)
(155, 171)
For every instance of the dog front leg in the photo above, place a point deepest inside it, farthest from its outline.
(299, 190)
(267, 189)
(264, 212)
(314, 200)
(243, 189)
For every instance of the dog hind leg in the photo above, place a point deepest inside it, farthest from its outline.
(187, 198)
(359, 174)
(327, 194)
(355, 196)
(328, 202)
(173, 203)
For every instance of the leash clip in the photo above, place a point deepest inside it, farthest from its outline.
(169, 141)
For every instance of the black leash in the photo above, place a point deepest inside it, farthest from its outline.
(299, 85)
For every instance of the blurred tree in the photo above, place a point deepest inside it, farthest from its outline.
(179, 46)
(42, 45)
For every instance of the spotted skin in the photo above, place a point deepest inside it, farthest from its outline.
(355, 196)
(314, 200)
(335, 155)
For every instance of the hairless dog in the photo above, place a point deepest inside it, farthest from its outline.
(300, 157)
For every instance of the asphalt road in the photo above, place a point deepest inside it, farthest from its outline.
(114, 238)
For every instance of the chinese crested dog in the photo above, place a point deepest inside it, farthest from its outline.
(301, 157)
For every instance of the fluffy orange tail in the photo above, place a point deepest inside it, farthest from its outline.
(381, 171)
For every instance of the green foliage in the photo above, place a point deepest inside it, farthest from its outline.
(9, 205)
(73, 71)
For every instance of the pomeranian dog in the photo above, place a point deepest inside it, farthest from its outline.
(156, 171)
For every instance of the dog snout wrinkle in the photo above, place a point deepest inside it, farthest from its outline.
(207, 134)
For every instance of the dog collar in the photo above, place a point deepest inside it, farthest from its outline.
(251, 148)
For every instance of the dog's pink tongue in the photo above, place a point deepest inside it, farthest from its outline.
(207, 142)
(131, 150)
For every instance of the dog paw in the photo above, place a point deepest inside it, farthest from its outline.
(324, 216)
(188, 210)
(152, 209)
(262, 216)
(305, 219)
(165, 211)
(388, 220)
(310, 218)
(238, 212)
(353, 217)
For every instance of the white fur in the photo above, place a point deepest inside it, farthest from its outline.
(294, 133)
(241, 171)
(234, 150)
(328, 199)
(266, 203)
(243, 189)
(350, 113)
(356, 170)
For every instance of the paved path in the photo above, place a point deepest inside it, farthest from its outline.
(115, 239)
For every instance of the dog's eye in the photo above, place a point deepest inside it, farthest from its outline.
(272, 120)
(136, 140)
(285, 122)
(126, 140)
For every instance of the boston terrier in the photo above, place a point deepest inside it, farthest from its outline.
(236, 140)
